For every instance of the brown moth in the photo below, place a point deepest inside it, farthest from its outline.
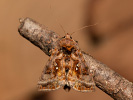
(66, 68)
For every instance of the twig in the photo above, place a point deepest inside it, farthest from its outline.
(38, 34)
(106, 79)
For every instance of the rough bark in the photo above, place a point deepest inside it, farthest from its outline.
(109, 81)
(106, 79)
(37, 34)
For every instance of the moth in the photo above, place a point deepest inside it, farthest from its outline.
(66, 68)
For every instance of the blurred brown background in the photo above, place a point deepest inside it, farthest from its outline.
(110, 41)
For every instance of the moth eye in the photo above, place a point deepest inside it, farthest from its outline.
(63, 37)
(76, 41)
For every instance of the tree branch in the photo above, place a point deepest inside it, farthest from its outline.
(106, 79)
(38, 34)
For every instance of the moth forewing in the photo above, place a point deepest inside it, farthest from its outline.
(49, 81)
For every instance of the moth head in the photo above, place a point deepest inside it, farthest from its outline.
(67, 35)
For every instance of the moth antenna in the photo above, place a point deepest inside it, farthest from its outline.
(56, 18)
(84, 28)
(61, 26)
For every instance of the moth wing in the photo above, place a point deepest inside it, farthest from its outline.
(48, 86)
(86, 84)
(82, 79)
(47, 81)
